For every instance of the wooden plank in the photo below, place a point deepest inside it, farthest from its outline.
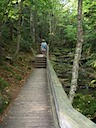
(31, 109)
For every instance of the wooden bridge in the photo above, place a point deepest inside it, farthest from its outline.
(42, 103)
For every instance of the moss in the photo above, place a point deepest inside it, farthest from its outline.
(86, 104)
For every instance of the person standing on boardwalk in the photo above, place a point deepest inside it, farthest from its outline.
(44, 47)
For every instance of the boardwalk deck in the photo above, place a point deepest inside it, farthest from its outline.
(31, 109)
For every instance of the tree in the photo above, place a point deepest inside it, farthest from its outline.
(20, 4)
(77, 53)
(3, 19)
(89, 10)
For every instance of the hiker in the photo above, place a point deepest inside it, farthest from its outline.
(44, 47)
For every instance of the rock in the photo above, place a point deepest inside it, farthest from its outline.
(94, 119)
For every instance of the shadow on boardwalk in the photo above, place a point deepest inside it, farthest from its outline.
(31, 109)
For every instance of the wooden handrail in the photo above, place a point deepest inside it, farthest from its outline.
(67, 116)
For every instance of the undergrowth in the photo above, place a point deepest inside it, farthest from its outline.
(12, 77)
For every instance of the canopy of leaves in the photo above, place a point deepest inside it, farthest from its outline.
(54, 20)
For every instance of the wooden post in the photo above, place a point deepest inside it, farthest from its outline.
(47, 52)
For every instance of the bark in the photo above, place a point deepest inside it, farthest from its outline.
(50, 24)
(77, 54)
(0, 47)
(11, 30)
(20, 4)
(50, 29)
(1, 30)
(32, 27)
(2, 25)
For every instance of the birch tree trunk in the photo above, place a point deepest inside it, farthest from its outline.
(19, 29)
(77, 54)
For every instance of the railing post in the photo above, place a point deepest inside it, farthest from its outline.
(47, 52)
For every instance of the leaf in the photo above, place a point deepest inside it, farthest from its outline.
(93, 81)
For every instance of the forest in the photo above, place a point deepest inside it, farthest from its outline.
(63, 24)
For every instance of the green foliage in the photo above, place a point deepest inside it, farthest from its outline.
(57, 23)
(86, 104)
(94, 64)
(3, 84)
(13, 73)
(25, 45)
(4, 103)
(93, 83)
(90, 24)
(70, 32)
(56, 51)
(91, 61)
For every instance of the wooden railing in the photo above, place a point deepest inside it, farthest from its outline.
(65, 116)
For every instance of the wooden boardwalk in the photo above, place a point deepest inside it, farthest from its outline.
(32, 108)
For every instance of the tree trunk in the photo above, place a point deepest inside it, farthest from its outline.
(11, 30)
(50, 29)
(32, 27)
(2, 24)
(0, 49)
(19, 29)
(77, 54)
(1, 30)
(50, 23)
